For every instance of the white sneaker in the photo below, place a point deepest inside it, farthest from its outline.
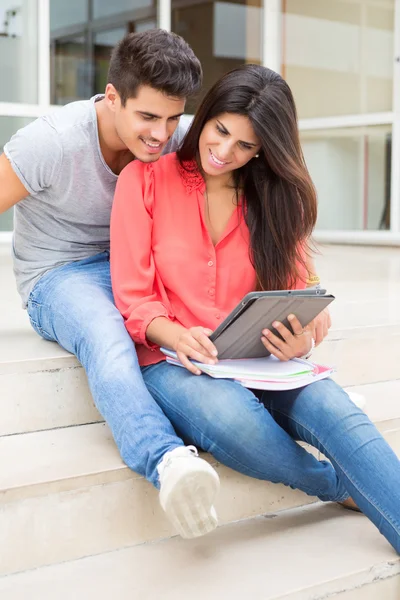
(188, 487)
(357, 399)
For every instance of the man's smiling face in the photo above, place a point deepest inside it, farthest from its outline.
(147, 122)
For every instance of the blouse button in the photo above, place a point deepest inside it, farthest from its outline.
(217, 316)
(211, 291)
(210, 263)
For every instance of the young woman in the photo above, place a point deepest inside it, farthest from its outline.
(232, 212)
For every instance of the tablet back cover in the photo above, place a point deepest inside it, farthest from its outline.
(242, 339)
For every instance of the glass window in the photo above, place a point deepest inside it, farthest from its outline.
(8, 126)
(105, 8)
(223, 35)
(145, 25)
(351, 170)
(83, 35)
(103, 44)
(18, 51)
(71, 76)
(66, 14)
(338, 55)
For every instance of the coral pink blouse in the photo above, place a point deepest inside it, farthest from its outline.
(163, 261)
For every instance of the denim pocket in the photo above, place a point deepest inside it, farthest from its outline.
(33, 309)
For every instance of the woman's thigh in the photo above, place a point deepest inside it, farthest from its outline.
(229, 421)
(320, 414)
(205, 408)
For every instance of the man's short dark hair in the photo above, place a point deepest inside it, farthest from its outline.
(156, 58)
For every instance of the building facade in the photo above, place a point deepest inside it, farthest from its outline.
(340, 57)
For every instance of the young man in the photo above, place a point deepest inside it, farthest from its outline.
(60, 173)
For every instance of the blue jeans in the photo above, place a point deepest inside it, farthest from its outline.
(74, 306)
(255, 435)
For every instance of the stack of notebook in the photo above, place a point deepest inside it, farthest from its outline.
(267, 373)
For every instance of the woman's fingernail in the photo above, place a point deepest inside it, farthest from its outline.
(291, 317)
(198, 372)
(266, 332)
(214, 352)
(275, 324)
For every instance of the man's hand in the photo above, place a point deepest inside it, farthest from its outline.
(194, 344)
(320, 326)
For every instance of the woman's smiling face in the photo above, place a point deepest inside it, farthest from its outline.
(226, 143)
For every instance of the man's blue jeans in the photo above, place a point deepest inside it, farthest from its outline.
(256, 436)
(74, 306)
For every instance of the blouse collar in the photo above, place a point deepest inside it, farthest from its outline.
(191, 176)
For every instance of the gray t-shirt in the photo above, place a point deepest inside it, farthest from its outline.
(66, 216)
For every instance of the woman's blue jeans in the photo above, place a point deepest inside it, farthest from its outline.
(255, 435)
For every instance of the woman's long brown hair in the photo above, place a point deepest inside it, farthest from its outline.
(281, 203)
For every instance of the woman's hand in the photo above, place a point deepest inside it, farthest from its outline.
(194, 343)
(320, 326)
(293, 345)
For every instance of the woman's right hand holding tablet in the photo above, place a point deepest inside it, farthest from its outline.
(194, 343)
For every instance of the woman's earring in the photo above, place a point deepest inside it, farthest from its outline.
(256, 155)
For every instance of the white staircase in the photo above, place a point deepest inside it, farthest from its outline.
(65, 493)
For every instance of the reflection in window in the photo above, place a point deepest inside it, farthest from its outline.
(67, 13)
(104, 42)
(351, 170)
(103, 45)
(82, 37)
(223, 35)
(18, 51)
(72, 77)
(105, 8)
(338, 55)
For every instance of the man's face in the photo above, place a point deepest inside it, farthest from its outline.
(146, 123)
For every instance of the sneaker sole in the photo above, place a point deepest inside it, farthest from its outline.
(190, 505)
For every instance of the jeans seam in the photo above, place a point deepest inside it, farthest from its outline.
(183, 416)
(33, 321)
(357, 486)
(39, 329)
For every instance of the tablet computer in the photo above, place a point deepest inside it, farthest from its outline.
(239, 335)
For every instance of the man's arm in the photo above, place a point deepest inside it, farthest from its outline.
(11, 189)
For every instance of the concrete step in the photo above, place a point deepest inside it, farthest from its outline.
(42, 385)
(66, 494)
(45, 387)
(362, 354)
(382, 402)
(313, 553)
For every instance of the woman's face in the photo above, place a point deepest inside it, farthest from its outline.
(226, 143)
